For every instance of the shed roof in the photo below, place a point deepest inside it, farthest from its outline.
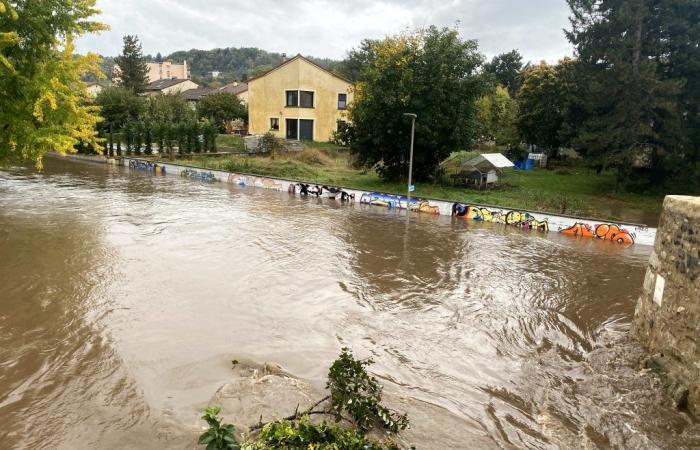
(495, 160)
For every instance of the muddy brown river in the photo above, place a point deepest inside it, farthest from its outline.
(125, 296)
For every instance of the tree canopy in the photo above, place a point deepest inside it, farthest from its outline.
(431, 73)
(506, 67)
(640, 60)
(133, 72)
(43, 104)
(221, 107)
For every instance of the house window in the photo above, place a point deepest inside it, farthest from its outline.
(292, 98)
(274, 123)
(306, 99)
(342, 101)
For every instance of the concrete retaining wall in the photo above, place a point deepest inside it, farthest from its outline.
(667, 318)
(575, 227)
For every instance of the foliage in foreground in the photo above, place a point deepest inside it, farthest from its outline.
(43, 103)
(218, 436)
(304, 435)
(359, 394)
(355, 397)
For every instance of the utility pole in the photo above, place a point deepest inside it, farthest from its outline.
(410, 161)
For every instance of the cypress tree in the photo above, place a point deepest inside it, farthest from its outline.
(133, 72)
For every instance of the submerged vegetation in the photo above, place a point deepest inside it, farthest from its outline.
(354, 399)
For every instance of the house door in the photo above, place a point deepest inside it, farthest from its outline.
(292, 128)
(306, 130)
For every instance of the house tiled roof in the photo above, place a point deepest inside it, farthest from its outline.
(196, 94)
(299, 56)
(234, 88)
(159, 85)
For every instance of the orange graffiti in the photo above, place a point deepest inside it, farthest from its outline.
(579, 229)
(604, 231)
(614, 233)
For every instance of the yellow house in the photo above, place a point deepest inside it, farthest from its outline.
(298, 100)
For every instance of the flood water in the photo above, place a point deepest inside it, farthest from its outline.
(125, 296)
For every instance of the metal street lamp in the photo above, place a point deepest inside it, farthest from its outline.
(410, 161)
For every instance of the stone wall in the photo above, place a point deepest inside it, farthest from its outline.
(667, 318)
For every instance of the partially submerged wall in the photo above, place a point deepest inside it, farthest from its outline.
(667, 318)
(536, 221)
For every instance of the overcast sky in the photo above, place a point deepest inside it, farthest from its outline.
(327, 28)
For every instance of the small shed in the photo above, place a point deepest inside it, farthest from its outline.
(485, 169)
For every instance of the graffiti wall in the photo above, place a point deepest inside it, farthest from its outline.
(253, 181)
(604, 231)
(203, 175)
(146, 166)
(523, 219)
(542, 222)
(399, 202)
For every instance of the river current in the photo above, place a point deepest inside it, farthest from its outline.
(125, 296)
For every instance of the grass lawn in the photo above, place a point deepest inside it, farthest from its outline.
(229, 143)
(575, 191)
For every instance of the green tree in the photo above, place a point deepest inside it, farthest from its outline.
(432, 73)
(116, 106)
(542, 106)
(132, 72)
(169, 107)
(355, 61)
(221, 107)
(43, 104)
(506, 67)
(496, 115)
(632, 114)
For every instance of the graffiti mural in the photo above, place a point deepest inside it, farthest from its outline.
(604, 231)
(399, 201)
(146, 166)
(324, 191)
(519, 219)
(253, 181)
(209, 177)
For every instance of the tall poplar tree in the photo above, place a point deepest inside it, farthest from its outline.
(133, 71)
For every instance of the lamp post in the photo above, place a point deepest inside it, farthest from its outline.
(410, 161)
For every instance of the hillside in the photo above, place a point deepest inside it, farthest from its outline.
(235, 63)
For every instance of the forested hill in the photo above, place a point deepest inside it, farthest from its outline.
(233, 63)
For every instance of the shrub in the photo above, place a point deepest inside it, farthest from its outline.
(304, 435)
(355, 391)
(218, 436)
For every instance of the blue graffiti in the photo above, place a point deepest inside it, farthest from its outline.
(199, 175)
(146, 166)
(398, 201)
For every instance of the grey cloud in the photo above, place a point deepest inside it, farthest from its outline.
(328, 28)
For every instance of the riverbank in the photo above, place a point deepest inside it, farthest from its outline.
(573, 191)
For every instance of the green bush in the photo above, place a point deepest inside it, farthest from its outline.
(355, 391)
(218, 436)
(303, 435)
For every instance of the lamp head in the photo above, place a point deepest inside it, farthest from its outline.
(411, 115)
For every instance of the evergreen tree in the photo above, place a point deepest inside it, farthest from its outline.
(133, 72)
(631, 106)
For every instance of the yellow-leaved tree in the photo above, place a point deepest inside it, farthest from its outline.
(44, 106)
